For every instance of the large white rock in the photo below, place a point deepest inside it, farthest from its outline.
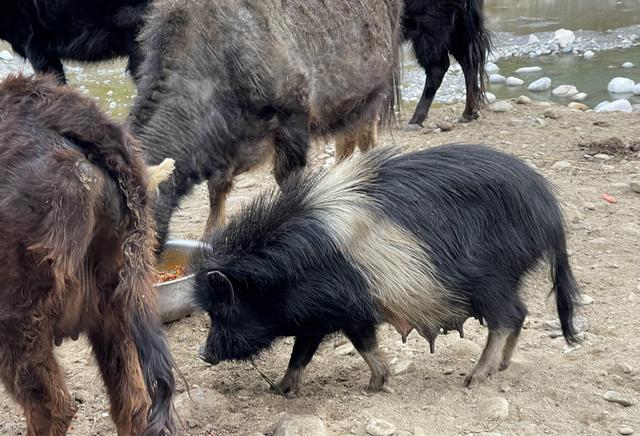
(527, 70)
(497, 79)
(533, 39)
(581, 96)
(491, 68)
(564, 38)
(636, 89)
(565, 91)
(627, 65)
(490, 96)
(601, 105)
(621, 85)
(514, 81)
(6, 56)
(621, 105)
(540, 85)
(589, 54)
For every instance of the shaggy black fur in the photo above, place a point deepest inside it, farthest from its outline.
(45, 32)
(439, 27)
(484, 219)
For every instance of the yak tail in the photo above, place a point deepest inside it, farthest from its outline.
(566, 291)
(393, 93)
(471, 46)
(157, 368)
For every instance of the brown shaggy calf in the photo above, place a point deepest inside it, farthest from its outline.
(76, 256)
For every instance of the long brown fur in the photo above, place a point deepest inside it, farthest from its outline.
(76, 252)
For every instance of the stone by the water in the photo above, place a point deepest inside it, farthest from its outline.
(579, 106)
(378, 427)
(589, 54)
(491, 97)
(523, 99)
(565, 91)
(494, 408)
(579, 96)
(621, 105)
(540, 85)
(527, 70)
(491, 68)
(621, 85)
(514, 81)
(636, 89)
(501, 106)
(496, 79)
(533, 39)
(564, 38)
(627, 65)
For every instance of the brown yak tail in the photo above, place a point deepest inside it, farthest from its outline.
(109, 146)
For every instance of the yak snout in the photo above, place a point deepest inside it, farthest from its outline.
(207, 355)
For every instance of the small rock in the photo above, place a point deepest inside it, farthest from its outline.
(589, 206)
(494, 408)
(561, 165)
(564, 38)
(377, 427)
(299, 425)
(589, 54)
(578, 106)
(523, 99)
(551, 114)
(621, 85)
(602, 156)
(527, 70)
(496, 79)
(636, 89)
(617, 397)
(404, 366)
(445, 126)
(491, 68)
(448, 371)
(624, 368)
(635, 187)
(514, 81)
(533, 39)
(626, 430)
(540, 85)
(585, 300)
(621, 105)
(579, 96)
(504, 387)
(627, 65)
(565, 91)
(491, 97)
(501, 106)
(6, 56)
(346, 349)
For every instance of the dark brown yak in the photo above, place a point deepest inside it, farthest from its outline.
(76, 252)
(225, 83)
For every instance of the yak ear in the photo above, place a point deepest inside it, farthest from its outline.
(222, 286)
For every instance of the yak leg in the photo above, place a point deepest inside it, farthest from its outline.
(490, 359)
(435, 69)
(35, 380)
(303, 351)
(43, 62)
(473, 90)
(346, 144)
(291, 144)
(116, 354)
(219, 188)
(364, 339)
(509, 346)
(368, 135)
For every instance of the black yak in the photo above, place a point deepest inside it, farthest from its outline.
(76, 232)
(226, 83)
(422, 240)
(437, 28)
(46, 32)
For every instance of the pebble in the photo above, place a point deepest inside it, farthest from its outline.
(636, 89)
(579, 96)
(579, 106)
(564, 38)
(514, 81)
(620, 105)
(501, 106)
(403, 367)
(504, 387)
(540, 85)
(627, 65)
(444, 126)
(602, 156)
(491, 68)
(589, 54)
(533, 39)
(626, 430)
(496, 79)
(585, 300)
(621, 85)
(527, 70)
(378, 427)
(6, 56)
(561, 165)
(565, 91)
(523, 99)
(491, 97)
(635, 187)
(494, 408)
(589, 206)
(299, 425)
(617, 397)
(448, 371)
(346, 349)
(551, 114)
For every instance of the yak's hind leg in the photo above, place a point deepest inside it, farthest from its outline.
(219, 188)
(365, 137)
(291, 145)
(346, 143)
(116, 354)
(363, 338)
(368, 135)
(303, 351)
(435, 70)
(34, 378)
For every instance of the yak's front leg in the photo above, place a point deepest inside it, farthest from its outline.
(303, 351)
(291, 146)
(363, 338)
(117, 356)
(219, 187)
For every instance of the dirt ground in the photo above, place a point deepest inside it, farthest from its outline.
(550, 389)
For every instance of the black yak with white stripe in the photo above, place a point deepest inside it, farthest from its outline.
(45, 32)
(422, 240)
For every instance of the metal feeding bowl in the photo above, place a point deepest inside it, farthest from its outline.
(175, 299)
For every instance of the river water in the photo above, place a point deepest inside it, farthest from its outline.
(511, 21)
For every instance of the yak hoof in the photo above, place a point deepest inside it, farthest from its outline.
(467, 118)
(412, 127)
